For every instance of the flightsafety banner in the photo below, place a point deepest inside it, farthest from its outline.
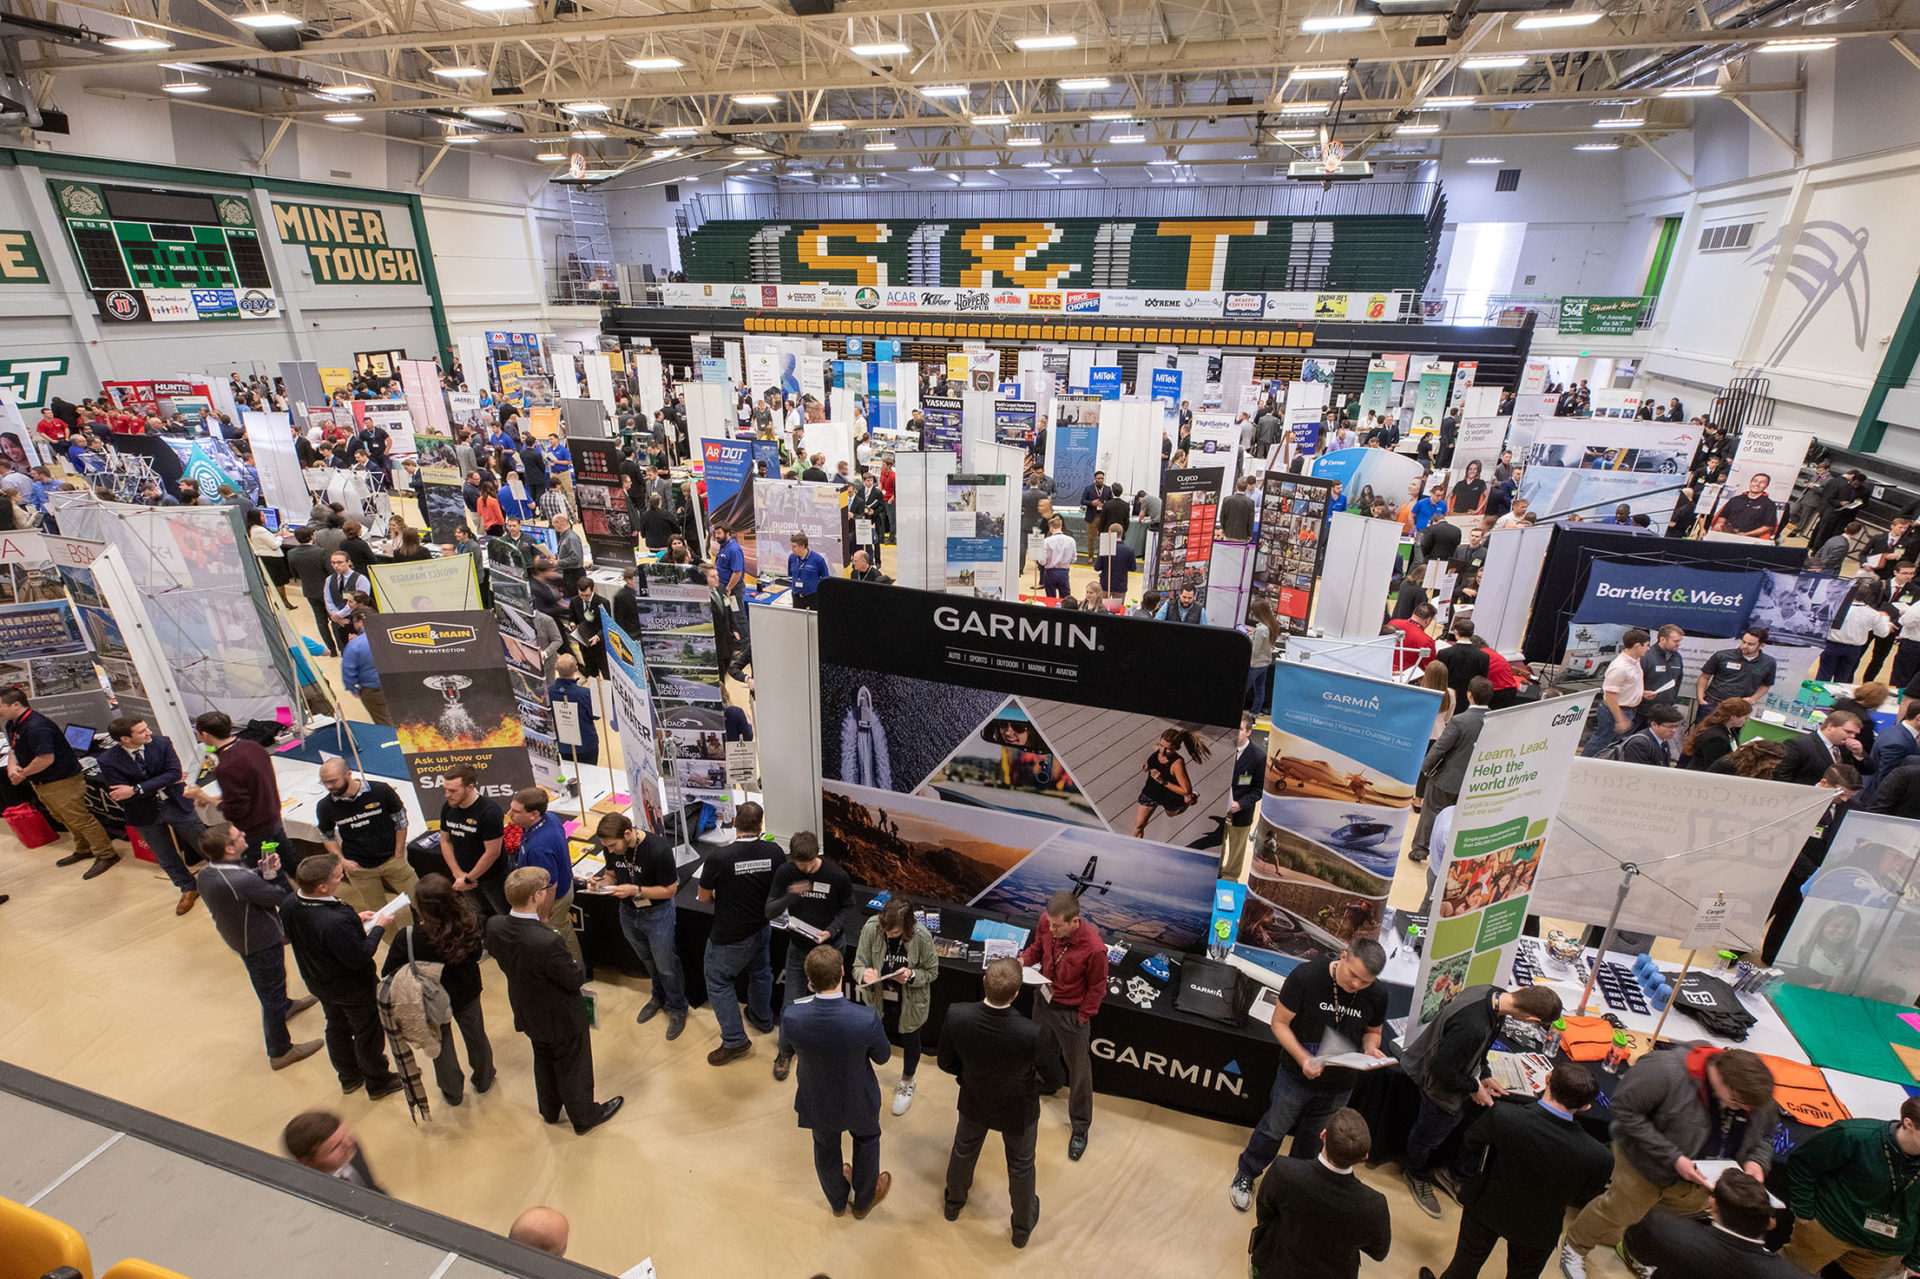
(1484, 879)
(1341, 763)
(634, 719)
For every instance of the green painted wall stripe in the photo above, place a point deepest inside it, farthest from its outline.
(1902, 351)
(1662, 257)
(135, 171)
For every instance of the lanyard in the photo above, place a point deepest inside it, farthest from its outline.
(1893, 1178)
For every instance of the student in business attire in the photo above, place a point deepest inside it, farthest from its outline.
(337, 595)
(566, 687)
(1314, 1218)
(1003, 1065)
(1445, 767)
(144, 776)
(365, 822)
(1730, 1241)
(1653, 745)
(1070, 954)
(543, 988)
(246, 910)
(1538, 1162)
(814, 893)
(446, 931)
(321, 1140)
(1249, 772)
(1811, 754)
(335, 949)
(838, 1043)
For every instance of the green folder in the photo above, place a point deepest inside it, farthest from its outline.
(1842, 1032)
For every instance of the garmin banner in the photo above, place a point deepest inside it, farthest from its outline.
(1501, 826)
(1342, 759)
(1653, 595)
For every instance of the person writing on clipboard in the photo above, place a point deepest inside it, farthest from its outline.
(1342, 999)
(812, 893)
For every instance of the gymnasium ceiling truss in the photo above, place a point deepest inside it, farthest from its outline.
(836, 92)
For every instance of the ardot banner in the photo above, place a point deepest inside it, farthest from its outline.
(1652, 595)
(1501, 823)
(451, 699)
(729, 477)
(1342, 759)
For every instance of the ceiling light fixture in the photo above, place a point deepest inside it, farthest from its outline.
(983, 121)
(342, 117)
(1127, 139)
(680, 131)
(1304, 108)
(1621, 122)
(458, 73)
(1295, 135)
(1057, 172)
(1449, 101)
(550, 157)
(1796, 44)
(655, 64)
(884, 49)
(1339, 22)
(1495, 61)
(485, 113)
(827, 126)
(1691, 91)
(748, 151)
(1085, 84)
(347, 91)
(1026, 142)
(921, 168)
(1548, 21)
(1486, 159)
(588, 134)
(882, 146)
(1038, 44)
(756, 99)
(1596, 146)
(585, 108)
(183, 86)
(1036, 164)
(1163, 163)
(1317, 73)
(268, 21)
(1416, 128)
(1112, 117)
(945, 91)
(496, 6)
(460, 139)
(138, 43)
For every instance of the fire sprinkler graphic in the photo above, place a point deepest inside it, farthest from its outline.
(455, 721)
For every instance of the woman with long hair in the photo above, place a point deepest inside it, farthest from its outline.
(1263, 628)
(266, 548)
(1757, 758)
(896, 964)
(1713, 737)
(493, 521)
(1469, 494)
(1168, 784)
(446, 931)
(1434, 676)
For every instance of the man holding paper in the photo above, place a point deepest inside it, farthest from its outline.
(1072, 960)
(812, 893)
(334, 946)
(1323, 1010)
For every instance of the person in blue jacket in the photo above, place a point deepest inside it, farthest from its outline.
(805, 568)
(566, 687)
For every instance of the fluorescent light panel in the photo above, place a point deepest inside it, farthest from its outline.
(1548, 21)
(756, 99)
(1449, 101)
(655, 64)
(184, 86)
(1304, 108)
(1295, 135)
(1339, 22)
(1796, 44)
(1495, 61)
(138, 44)
(1317, 73)
(346, 91)
(882, 146)
(1416, 128)
(884, 49)
(267, 21)
(1026, 142)
(585, 108)
(1691, 91)
(827, 126)
(485, 113)
(1486, 159)
(1596, 146)
(1036, 44)
(1085, 84)
(988, 120)
(343, 117)
(680, 131)
(1127, 139)
(945, 91)
(457, 73)
(549, 157)
(496, 6)
(1621, 122)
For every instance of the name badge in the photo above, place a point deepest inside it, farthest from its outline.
(1883, 1227)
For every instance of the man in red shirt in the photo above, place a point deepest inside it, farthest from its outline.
(1415, 649)
(1500, 673)
(1073, 959)
(51, 427)
(249, 791)
(886, 493)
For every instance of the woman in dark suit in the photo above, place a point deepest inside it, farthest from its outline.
(1716, 735)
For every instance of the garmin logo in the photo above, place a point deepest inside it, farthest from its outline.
(1206, 990)
(1225, 1080)
(1668, 595)
(1021, 630)
(1351, 702)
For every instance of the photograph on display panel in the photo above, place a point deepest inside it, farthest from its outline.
(1291, 544)
(954, 770)
(1189, 508)
(1858, 930)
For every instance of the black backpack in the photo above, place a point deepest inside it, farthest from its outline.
(1212, 990)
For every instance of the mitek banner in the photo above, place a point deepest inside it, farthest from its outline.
(1485, 876)
(1653, 595)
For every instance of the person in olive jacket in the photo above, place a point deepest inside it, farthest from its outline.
(894, 966)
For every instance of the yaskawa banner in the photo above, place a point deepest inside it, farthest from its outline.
(1653, 595)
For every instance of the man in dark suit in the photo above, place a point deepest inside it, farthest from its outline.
(1003, 1066)
(1538, 1162)
(334, 945)
(144, 776)
(1445, 767)
(1730, 1241)
(1314, 1217)
(1893, 749)
(543, 988)
(321, 1140)
(1811, 754)
(839, 1042)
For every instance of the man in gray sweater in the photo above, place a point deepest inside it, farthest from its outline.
(246, 909)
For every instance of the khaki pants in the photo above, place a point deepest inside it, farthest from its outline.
(1628, 1198)
(1813, 1248)
(560, 919)
(371, 887)
(66, 799)
(375, 700)
(1234, 864)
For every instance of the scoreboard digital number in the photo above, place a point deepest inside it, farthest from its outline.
(150, 254)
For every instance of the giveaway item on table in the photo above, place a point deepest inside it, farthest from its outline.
(1142, 992)
(1212, 990)
(1711, 1002)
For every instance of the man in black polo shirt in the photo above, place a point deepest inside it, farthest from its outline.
(41, 758)
(737, 881)
(813, 893)
(1752, 513)
(1735, 672)
(471, 830)
(364, 821)
(641, 872)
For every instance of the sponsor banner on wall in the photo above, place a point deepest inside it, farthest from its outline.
(980, 514)
(452, 701)
(1189, 508)
(1653, 595)
(1148, 304)
(1616, 317)
(1502, 825)
(346, 245)
(782, 508)
(1292, 544)
(1342, 759)
(605, 518)
(991, 754)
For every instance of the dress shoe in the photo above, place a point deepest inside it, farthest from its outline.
(1076, 1145)
(72, 859)
(185, 904)
(723, 1054)
(608, 1109)
(301, 1005)
(347, 1090)
(484, 1088)
(648, 1012)
(1426, 1273)
(393, 1085)
(101, 865)
(676, 1022)
(846, 1175)
(782, 1066)
(1020, 1237)
(297, 1053)
(880, 1189)
(951, 1210)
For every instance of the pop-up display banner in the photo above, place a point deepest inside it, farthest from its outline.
(605, 517)
(1857, 930)
(1502, 826)
(633, 715)
(1760, 481)
(991, 754)
(782, 508)
(1189, 507)
(1292, 544)
(730, 492)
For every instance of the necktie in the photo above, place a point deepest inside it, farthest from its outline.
(139, 756)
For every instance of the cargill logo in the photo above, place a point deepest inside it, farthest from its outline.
(431, 635)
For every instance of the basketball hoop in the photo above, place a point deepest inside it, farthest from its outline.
(576, 165)
(1331, 155)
